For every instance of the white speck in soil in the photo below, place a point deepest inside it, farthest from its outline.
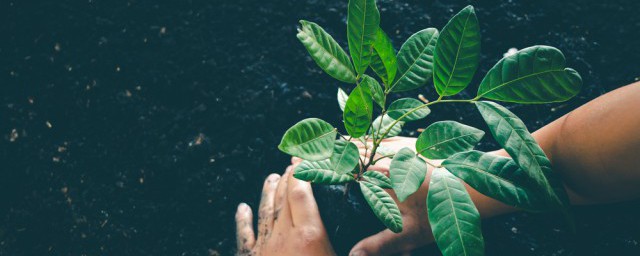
(57, 47)
(13, 136)
(514, 230)
(49, 125)
(510, 52)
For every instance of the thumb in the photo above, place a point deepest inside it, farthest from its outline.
(383, 243)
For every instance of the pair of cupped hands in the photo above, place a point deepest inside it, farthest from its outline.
(289, 222)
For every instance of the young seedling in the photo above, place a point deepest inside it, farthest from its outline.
(449, 58)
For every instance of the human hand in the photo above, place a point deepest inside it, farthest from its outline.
(416, 229)
(289, 221)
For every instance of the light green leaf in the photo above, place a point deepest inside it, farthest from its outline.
(310, 139)
(363, 20)
(415, 61)
(320, 172)
(454, 219)
(386, 152)
(445, 138)
(457, 53)
(382, 205)
(537, 74)
(497, 177)
(376, 89)
(378, 179)
(379, 128)
(407, 172)
(326, 52)
(358, 111)
(345, 157)
(511, 133)
(383, 60)
(402, 106)
(342, 98)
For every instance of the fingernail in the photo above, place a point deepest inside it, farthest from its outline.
(242, 207)
(273, 177)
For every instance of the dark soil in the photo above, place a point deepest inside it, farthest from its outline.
(136, 127)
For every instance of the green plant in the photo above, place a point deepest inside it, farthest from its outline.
(531, 76)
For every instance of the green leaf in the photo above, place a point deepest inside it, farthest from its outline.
(402, 106)
(454, 219)
(385, 151)
(415, 61)
(383, 60)
(497, 177)
(342, 98)
(511, 133)
(407, 172)
(378, 179)
(537, 74)
(379, 128)
(326, 52)
(376, 89)
(382, 205)
(457, 53)
(310, 139)
(363, 20)
(320, 172)
(358, 111)
(345, 157)
(445, 138)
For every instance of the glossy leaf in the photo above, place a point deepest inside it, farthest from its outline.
(310, 139)
(454, 219)
(445, 138)
(345, 156)
(457, 53)
(537, 74)
(511, 133)
(382, 205)
(326, 52)
(320, 172)
(415, 61)
(407, 172)
(378, 179)
(383, 60)
(363, 20)
(497, 177)
(402, 106)
(358, 111)
(342, 98)
(376, 89)
(380, 128)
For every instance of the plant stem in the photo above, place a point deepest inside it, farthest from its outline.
(377, 142)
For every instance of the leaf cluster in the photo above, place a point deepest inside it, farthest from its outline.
(449, 59)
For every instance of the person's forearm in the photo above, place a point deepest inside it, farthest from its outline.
(595, 149)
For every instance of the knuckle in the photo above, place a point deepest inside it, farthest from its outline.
(265, 211)
(308, 235)
(298, 194)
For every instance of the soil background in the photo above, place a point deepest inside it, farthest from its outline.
(136, 127)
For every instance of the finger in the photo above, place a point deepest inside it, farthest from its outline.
(245, 236)
(265, 218)
(384, 243)
(296, 160)
(283, 213)
(302, 204)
